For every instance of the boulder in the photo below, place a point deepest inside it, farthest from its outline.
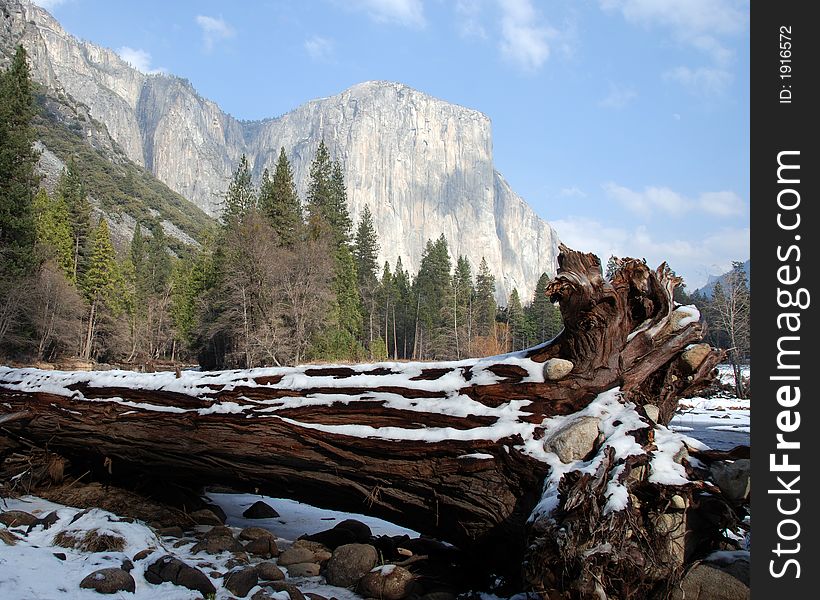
(260, 510)
(219, 539)
(264, 547)
(16, 518)
(359, 530)
(671, 527)
(143, 554)
(241, 581)
(694, 355)
(652, 412)
(268, 571)
(267, 592)
(575, 440)
(332, 538)
(709, 582)
(305, 569)
(170, 568)
(206, 516)
(557, 368)
(388, 582)
(173, 531)
(295, 555)
(254, 533)
(733, 478)
(109, 581)
(350, 563)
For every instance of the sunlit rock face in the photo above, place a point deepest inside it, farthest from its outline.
(422, 165)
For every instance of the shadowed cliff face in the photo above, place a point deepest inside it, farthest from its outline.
(424, 166)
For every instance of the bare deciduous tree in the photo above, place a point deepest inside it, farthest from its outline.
(55, 310)
(730, 311)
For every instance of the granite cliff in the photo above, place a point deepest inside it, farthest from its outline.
(423, 165)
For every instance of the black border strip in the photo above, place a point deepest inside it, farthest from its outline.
(784, 107)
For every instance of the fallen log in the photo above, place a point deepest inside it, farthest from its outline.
(476, 452)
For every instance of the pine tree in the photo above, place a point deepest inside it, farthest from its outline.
(319, 196)
(240, 198)
(516, 322)
(611, 267)
(341, 340)
(53, 232)
(401, 316)
(366, 249)
(18, 178)
(433, 291)
(463, 293)
(139, 261)
(365, 254)
(158, 261)
(544, 317)
(485, 304)
(279, 202)
(348, 307)
(339, 215)
(72, 191)
(387, 306)
(102, 283)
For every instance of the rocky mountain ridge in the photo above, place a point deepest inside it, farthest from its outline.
(424, 166)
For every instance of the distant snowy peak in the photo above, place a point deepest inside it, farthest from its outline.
(709, 288)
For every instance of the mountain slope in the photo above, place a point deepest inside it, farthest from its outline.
(424, 166)
(709, 287)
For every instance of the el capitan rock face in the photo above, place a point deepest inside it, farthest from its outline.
(424, 166)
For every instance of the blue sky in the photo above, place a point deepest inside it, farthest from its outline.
(625, 123)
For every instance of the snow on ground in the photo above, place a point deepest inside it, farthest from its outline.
(30, 570)
(296, 518)
(718, 414)
(721, 423)
(727, 376)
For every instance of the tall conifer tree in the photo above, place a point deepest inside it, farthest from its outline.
(18, 178)
(279, 202)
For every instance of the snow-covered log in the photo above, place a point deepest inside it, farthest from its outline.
(554, 444)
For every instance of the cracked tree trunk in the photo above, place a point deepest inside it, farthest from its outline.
(441, 448)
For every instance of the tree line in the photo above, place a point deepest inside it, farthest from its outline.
(278, 281)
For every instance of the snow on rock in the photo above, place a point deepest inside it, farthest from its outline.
(616, 421)
(30, 569)
(683, 316)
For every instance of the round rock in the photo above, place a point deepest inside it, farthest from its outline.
(306, 569)
(350, 563)
(389, 582)
(295, 555)
(260, 510)
(109, 581)
(557, 368)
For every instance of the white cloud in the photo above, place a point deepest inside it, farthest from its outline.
(409, 13)
(319, 48)
(139, 59)
(214, 30)
(619, 96)
(701, 24)
(468, 18)
(707, 81)
(572, 192)
(662, 199)
(49, 5)
(694, 259)
(645, 203)
(524, 37)
(722, 204)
